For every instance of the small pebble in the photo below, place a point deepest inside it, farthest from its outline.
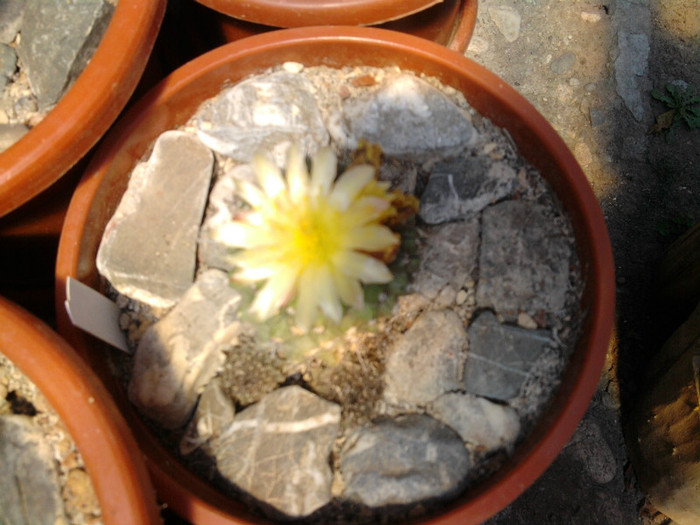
(525, 321)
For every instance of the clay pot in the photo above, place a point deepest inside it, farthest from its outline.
(112, 457)
(87, 110)
(176, 99)
(447, 22)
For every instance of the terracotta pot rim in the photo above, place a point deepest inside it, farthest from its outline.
(524, 123)
(297, 13)
(111, 455)
(89, 107)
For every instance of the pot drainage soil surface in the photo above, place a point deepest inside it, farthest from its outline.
(403, 404)
(43, 479)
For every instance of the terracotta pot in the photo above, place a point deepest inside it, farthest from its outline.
(447, 22)
(112, 457)
(87, 110)
(176, 99)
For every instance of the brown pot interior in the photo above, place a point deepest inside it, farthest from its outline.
(111, 455)
(175, 100)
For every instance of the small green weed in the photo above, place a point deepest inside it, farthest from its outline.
(684, 105)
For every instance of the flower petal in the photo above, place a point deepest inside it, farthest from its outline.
(269, 176)
(275, 293)
(250, 193)
(349, 290)
(328, 299)
(307, 300)
(363, 267)
(323, 171)
(371, 238)
(238, 234)
(364, 210)
(350, 184)
(297, 175)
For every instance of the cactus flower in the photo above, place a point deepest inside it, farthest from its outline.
(311, 236)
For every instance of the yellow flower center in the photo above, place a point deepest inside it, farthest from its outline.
(316, 234)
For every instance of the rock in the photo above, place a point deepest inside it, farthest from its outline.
(409, 118)
(480, 423)
(8, 64)
(58, 39)
(427, 360)
(148, 251)
(79, 493)
(30, 492)
(267, 113)
(221, 210)
(461, 188)
(589, 446)
(402, 461)
(179, 355)
(507, 20)
(564, 63)
(448, 257)
(524, 260)
(500, 357)
(631, 68)
(278, 450)
(11, 133)
(11, 12)
(214, 413)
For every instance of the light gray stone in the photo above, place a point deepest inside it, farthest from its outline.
(500, 357)
(563, 63)
(427, 360)
(524, 260)
(11, 133)
(507, 20)
(462, 188)
(8, 64)
(221, 209)
(148, 251)
(482, 424)
(214, 413)
(267, 113)
(448, 257)
(278, 450)
(402, 461)
(408, 118)
(30, 492)
(11, 12)
(58, 39)
(631, 67)
(181, 353)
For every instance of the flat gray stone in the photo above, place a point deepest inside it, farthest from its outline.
(409, 118)
(148, 251)
(524, 260)
(11, 12)
(461, 188)
(214, 413)
(427, 360)
(500, 357)
(448, 257)
(403, 461)
(58, 39)
(267, 113)
(631, 66)
(30, 492)
(8, 64)
(482, 424)
(181, 353)
(278, 450)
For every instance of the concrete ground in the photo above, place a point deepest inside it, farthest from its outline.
(589, 67)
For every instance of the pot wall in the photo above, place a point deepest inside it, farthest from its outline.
(174, 101)
(111, 455)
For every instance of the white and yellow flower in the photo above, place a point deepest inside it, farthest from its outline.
(310, 236)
